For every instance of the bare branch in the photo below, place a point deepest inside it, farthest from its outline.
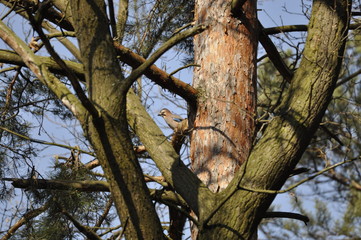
(300, 182)
(297, 28)
(296, 216)
(83, 229)
(27, 216)
(348, 78)
(45, 142)
(158, 53)
(157, 75)
(273, 54)
(83, 186)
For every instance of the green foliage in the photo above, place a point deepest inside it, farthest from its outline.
(83, 206)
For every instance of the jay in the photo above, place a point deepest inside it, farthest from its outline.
(174, 121)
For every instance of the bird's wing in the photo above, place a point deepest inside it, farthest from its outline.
(177, 118)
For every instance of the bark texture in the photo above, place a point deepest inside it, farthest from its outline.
(226, 81)
(108, 131)
(288, 134)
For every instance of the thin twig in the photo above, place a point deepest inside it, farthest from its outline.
(300, 182)
(181, 68)
(45, 142)
(158, 53)
(26, 217)
(71, 76)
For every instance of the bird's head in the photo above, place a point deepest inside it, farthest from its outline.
(164, 112)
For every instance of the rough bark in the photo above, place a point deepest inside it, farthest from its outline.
(223, 127)
(235, 212)
(108, 131)
(288, 134)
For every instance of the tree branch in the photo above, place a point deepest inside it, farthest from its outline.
(83, 186)
(122, 17)
(45, 142)
(42, 72)
(348, 78)
(273, 54)
(88, 232)
(163, 196)
(236, 7)
(11, 57)
(157, 75)
(71, 76)
(50, 14)
(300, 182)
(27, 216)
(296, 216)
(297, 28)
(158, 53)
(186, 183)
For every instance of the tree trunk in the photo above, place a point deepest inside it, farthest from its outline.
(224, 125)
(108, 130)
(243, 204)
(226, 79)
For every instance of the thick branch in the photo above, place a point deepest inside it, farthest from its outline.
(122, 17)
(163, 196)
(50, 14)
(166, 159)
(11, 57)
(42, 72)
(83, 186)
(157, 75)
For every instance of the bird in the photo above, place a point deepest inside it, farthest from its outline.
(174, 121)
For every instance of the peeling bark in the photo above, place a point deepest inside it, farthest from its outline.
(224, 121)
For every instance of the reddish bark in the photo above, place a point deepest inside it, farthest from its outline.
(223, 128)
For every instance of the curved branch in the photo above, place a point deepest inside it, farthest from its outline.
(157, 75)
(300, 182)
(296, 216)
(27, 216)
(158, 53)
(45, 142)
(42, 72)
